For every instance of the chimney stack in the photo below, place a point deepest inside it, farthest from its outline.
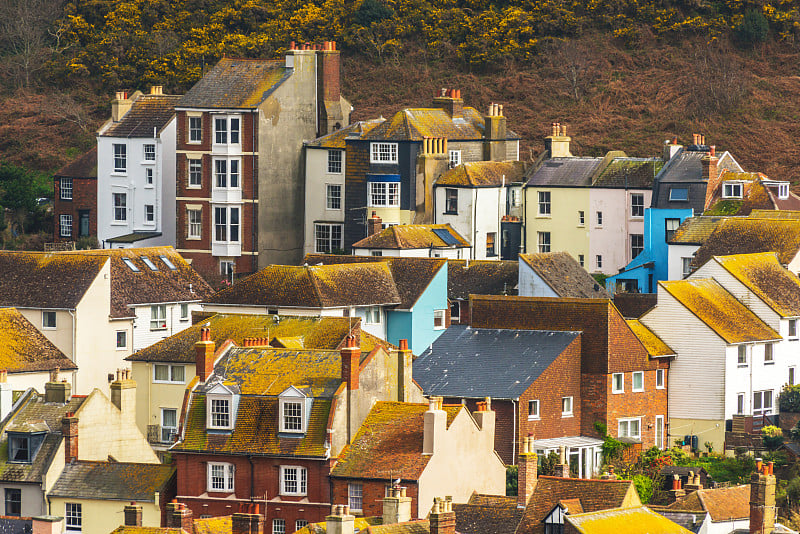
(248, 520)
(120, 106)
(442, 517)
(123, 394)
(671, 148)
(374, 224)
(527, 472)
(494, 133)
(404, 372)
(450, 101)
(179, 516)
(133, 515)
(204, 355)
(677, 491)
(351, 359)
(710, 175)
(69, 430)
(692, 483)
(55, 391)
(340, 521)
(396, 506)
(157, 90)
(562, 469)
(762, 499)
(557, 143)
(435, 424)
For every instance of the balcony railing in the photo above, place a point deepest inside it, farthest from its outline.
(159, 435)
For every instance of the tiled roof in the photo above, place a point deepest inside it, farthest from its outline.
(654, 345)
(565, 172)
(83, 167)
(624, 521)
(635, 173)
(24, 348)
(408, 236)
(594, 495)
(236, 83)
(147, 286)
(37, 279)
(148, 113)
(113, 481)
(360, 524)
(775, 214)
(478, 362)
(313, 286)
(719, 310)
(564, 275)
(485, 514)
(767, 278)
(723, 504)
(411, 275)
(32, 411)
(337, 139)
(744, 235)
(695, 230)
(485, 499)
(389, 443)
(127, 529)
(415, 124)
(325, 333)
(409, 527)
(481, 277)
(483, 174)
(213, 525)
(633, 305)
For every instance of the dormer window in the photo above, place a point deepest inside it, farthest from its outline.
(732, 190)
(292, 411)
(22, 447)
(220, 408)
(783, 191)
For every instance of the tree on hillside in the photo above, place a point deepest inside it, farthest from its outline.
(24, 36)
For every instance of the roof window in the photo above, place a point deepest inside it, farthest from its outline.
(168, 263)
(149, 263)
(132, 266)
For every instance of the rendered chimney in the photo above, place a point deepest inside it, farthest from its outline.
(123, 394)
(442, 518)
(557, 143)
(157, 90)
(692, 483)
(762, 499)
(204, 355)
(351, 359)
(120, 106)
(405, 380)
(435, 425)
(527, 472)
(671, 147)
(133, 515)
(494, 133)
(396, 506)
(56, 391)
(340, 521)
(374, 224)
(69, 430)
(562, 469)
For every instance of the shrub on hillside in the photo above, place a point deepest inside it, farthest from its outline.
(753, 28)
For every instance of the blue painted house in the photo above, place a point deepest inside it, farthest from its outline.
(644, 272)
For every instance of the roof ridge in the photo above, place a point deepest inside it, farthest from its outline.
(313, 280)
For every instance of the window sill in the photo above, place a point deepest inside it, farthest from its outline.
(122, 348)
(535, 418)
(196, 187)
(742, 366)
(149, 186)
(637, 391)
(540, 216)
(769, 363)
(450, 213)
(198, 238)
(65, 199)
(149, 162)
(492, 255)
(660, 387)
(123, 174)
(119, 223)
(167, 382)
(618, 392)
(566, 415)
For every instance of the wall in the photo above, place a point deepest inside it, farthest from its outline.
(675, 257)
(566, 233)
(84, 198)
(433, 298)
(372, 494)
(316, 207)
(61, 336)
(612, 239)
(165, 209)
(452, 253)
(531, 284)
(36, 380)
(100, 516)
(32, 498)
(151, 397)
(143, 336)
(479, 212)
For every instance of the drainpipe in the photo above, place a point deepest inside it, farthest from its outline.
(514, 434)
(252, 476)
(474, 229)
(253, 212)
(74, 349)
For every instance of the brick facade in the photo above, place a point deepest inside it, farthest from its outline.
(83, 175)
(373, 492)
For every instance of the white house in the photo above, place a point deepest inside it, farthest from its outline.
(136, 172)
(411, 241)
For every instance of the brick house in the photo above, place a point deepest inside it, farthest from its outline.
(75, 200)
(622, 384)
(261, 425)
(478, 277)
(240, 134)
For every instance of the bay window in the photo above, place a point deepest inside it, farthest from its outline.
(226, 224)
(384, 194)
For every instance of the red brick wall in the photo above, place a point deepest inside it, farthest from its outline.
(84, 197)
(373, 492)
(645, 405)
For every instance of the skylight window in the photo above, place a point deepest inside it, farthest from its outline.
(130, 264)
(149, 263)
(168, 263)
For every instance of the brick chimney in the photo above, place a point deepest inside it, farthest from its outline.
(204, 355)
(69, 430)
(710, 174)
(494, 133)
(120, 106)
(123, 394)
(557, 143)
(55, 391)
(450, 101)
(527, 472)
(404, 372)
(442, 517)
(179, 516)
(562, 469)
(374, 224)
(340, 521)
(396, 506)
(351, 359)
(435, 425)
(762, 499)
(133, 515)
(677, 492)
(248, 520)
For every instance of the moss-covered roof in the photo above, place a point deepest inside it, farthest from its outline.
(483, 174)
(763, 274)
(624, 521)
(629, 172)
(236, 83)
(322, 528)
(775, 214)
(744, 235)
(83, 167)
(719, 310)
(410, 236)
(214, 525)
(695, 230)
(481, 277)
(564, 275)
(148, 113)
(113, 481)
(128, 529)
(24, 348)
(415, 124)
(337, 139)
(654, 345)
(389, 443)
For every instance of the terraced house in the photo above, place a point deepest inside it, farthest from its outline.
(75, 200)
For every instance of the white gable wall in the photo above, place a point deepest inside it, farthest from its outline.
(531, 284)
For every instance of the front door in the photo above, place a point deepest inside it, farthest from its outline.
(83, 223)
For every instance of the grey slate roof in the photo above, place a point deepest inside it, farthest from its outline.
(569, 172)
(481, 362)
(148, 112)
(236, 83)
(113, 481)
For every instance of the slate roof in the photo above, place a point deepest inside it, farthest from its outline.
(415, 124)
(236, 84)
(147, 286)
(483, 174)
(478, 362)
(412, 276)
(313, 286)
(487, 514)
(564, 172)
(337, 139)
(767, 278)
(654, 345)
(719, 310)
(695, 230)
(24, 348)
(564, 275)
(686, 166)
(744, 235)
(325, 333)
(37, 279)
(723, 504)
(114, 481)
(83, 167)
(481, 277)
(632, 173)
(624, 521)
(388, 444)
(633, 305)
(411, 236)
(31, 410)
(133, 237)
(148, 113)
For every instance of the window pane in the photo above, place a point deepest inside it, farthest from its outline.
(221, 131)
(292, 416)
(178, 373)
(234, 226)
(234, 130)
(162, 372)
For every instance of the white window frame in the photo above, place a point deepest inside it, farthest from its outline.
(567, 406)
(383, 194)
(637, 245)
(783, 191)
(195, 129)
(640, 374)
(764, 410)
(148, 176)
(627, 422)
(732, 190)
(660, 428)
(229, 136)
(149, 213)
(65, 188)
(49, 313)
(73, 517)
(124, 345)
(383, 152)
(441, 317)
(120, 208)
(769, 354)
(686, 266)
(544, 207)
(332, 242)
(301, 474)
(195, 229)
(165, 438)
(335, 161)
(637, 205)
(227, 225)
(543, 242)
(792, 331)
(740, 406)
(741, 356)
(581, 259)
(228, 477)
(671, 225)
(170, 374)
(211, 399)
(149, 153)
(599, 261)
(660, 376)
(581, 218)
(65, 225)
(454, 158)
(278, 526)
(451, 200)
(372, 315)
(194, 167)
(355, 496)
(491, 239)
(120, 157)
(333, 197)
(533, 410)
(792, 375)
(615, 377)
(158, 317)
(227, 173)
(300, 523)
(184, 312)
(291, 403)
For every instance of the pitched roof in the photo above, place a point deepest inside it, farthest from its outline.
(83, 167)
(415, 124)
(412, 276)
(719, 310)
(594, 495)
(116, 481)
(636, 173)
(148, 113)
(128, 529)
(313, 286)
(744, 235)
(325, 333)
(337, 139)
(360, 524)
(483, 174)
(686, 166)
(37, 279)
(408, 236)
(775, 214)
(146, 286)
(236, 83)
(632, 305)
(723, 504)
(485, 515)
(654, 345)
(481, 277)
(695, 230)
(389, 443)
(564, 275)
(25, 349)
(478, 362)
(565, 172)
(767, 278)
(213, 525)
(624, 521)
